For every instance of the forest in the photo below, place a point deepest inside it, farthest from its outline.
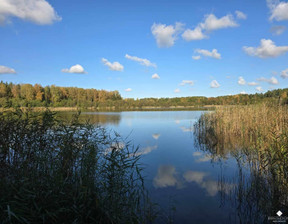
(27, 95)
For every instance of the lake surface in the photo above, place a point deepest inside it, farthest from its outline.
(191, 184)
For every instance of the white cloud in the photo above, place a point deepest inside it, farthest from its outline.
(278, 10)
(177, 91)
(188, 82)
(166, 35)
(128, 90)
(6, 70)
(195, 34)
(211, 186)
(74, 69)
(186, 129)
(213, 53)
(146, 150)
(197, 153)
(240, 15)
(241, 81)
(272, 80)
(284, 74)
(166, 177)
(194, 176)
(198, 57)
(214, 84)
(155, 76)
(115, 66)
(36, 11)
(277, 30)
(267, 49)
(243, 92)
(142, 61)
(259, 89)
(213, 23)
(253, 84)
(156, 136)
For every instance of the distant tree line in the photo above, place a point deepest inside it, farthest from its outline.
(24, 95)
(55, 96)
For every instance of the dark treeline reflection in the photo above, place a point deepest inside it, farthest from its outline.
(93, 117)
(256, 136)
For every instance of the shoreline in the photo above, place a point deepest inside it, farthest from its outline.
(113, 108)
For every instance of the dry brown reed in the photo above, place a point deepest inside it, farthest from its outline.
(245, 125)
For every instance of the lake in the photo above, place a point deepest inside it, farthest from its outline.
(191, 184)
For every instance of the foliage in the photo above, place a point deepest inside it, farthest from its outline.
(57, 172)
(54, 96)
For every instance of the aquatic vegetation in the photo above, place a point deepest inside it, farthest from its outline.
(257, 137)
(61, 172)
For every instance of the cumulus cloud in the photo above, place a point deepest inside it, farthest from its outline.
(128, 90)
(213, 23)
(194, 176)
(166, 35)
(243, 92)
(272, 80)
(177, 91)
(74, 69)
(210, 23)
(259, 89)
(277, 30)
(253, 84)
(240, 15)
(155, 76)
(188, 82)
(278, 10)
(156, 136)
(146, 150)
(186, 129)
(214, 53)
(115, 66)
(284, 74)
(198, 57)
(267, 49)
(142, 61)
(241, 81)
(36, 11)
(211, 186)
(166, 177)
(6, 70)
(195, 34)
(214, 84)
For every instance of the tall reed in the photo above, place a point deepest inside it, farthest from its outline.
(257, 137)
(57, 172)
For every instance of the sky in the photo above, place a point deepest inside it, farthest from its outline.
(153, 48)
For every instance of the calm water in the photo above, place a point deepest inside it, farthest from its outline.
(191, 185)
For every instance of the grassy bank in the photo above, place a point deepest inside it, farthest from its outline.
(56, 172)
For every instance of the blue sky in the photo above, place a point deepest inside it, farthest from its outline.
(147, 48)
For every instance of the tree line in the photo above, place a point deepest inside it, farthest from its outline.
(25, 95)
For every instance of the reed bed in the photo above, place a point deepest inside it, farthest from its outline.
(257, 137)
(56, 172)
(255, 126)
